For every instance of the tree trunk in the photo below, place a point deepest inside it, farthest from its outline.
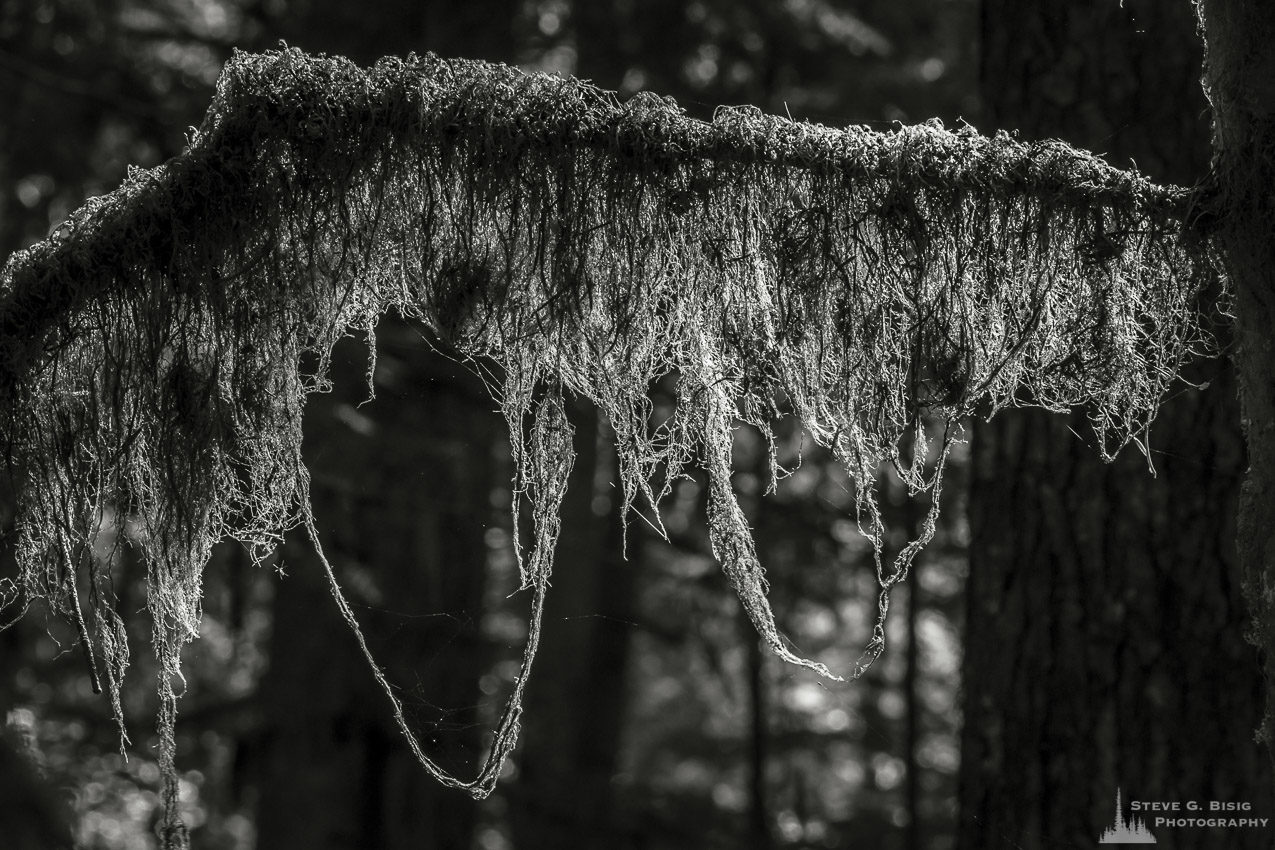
(1105, 626)
(913, 838)
(402, 501)
(574, 707)
(33, 816)
(1240, 80)
(569, 749)
(759, 818)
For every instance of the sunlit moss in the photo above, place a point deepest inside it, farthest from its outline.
(155, 352)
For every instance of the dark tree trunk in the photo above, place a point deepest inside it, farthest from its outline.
(402, 501)
(564, 795)
(33, 816)
(914, 835)
(1240, 77)
(1105, 623)
(574, 706)
(759, 828)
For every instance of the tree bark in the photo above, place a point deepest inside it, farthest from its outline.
(1105, 625)
(1240, 82)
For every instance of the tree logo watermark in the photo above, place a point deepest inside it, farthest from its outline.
(1130, 830)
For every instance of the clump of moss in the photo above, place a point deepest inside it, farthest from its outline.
(156, 352)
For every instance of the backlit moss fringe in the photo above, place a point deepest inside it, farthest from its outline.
(156, 351)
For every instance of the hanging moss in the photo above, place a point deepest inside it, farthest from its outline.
(156, 351)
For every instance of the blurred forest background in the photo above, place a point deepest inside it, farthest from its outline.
(1099, 608)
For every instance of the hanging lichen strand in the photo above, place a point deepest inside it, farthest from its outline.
(156, 352)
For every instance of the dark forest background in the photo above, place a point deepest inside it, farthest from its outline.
(1073, 627)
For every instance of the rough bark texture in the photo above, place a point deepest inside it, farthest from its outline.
(1105, 624)
(1240, 79)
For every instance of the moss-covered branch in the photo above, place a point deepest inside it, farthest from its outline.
(331, 117)
(155, 353)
